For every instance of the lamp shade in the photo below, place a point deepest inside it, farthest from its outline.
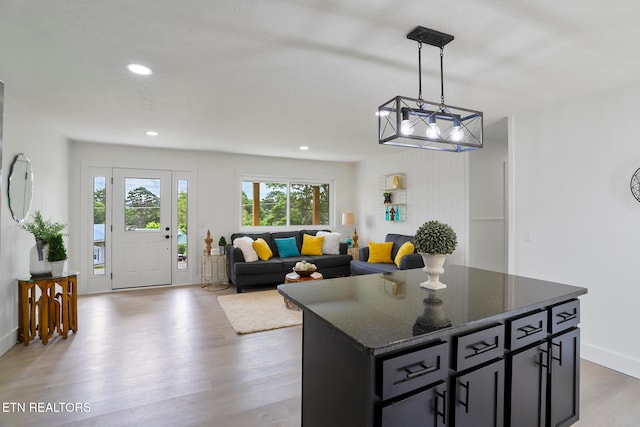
(348, 218)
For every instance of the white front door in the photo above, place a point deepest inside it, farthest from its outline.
(142, 235)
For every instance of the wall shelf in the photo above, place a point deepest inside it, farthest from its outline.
(394, 196)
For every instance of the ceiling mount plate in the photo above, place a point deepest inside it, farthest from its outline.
(429, 36)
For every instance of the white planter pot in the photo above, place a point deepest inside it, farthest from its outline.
(433, 266)
(57, 267)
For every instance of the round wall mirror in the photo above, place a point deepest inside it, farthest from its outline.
(20, 187)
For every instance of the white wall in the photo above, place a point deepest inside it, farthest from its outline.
(572, 164)
(218, 185)
(436, 189)
(48, 151)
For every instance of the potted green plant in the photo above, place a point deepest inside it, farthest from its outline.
(57, 255)
(42, 230)
(222, 243)
(434, 241)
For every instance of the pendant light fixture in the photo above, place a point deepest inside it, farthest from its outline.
(411, 122)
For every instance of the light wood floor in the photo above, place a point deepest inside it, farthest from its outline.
(168, 357)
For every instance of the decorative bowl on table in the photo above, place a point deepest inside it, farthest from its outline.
(304, 273)
(304, 268)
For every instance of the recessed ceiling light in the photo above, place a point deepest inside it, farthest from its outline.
(139, 69)
(152, 133)
(304, 147)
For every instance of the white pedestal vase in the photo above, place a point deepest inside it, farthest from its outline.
(433, 266)
(38, 265)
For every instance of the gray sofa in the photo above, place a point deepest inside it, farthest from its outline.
(413, 260)
(245, 275)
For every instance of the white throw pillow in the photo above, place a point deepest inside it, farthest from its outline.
(331, 242)
(245, 243)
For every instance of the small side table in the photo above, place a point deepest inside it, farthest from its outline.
(41, 308)
(293, 277)
(354, 252)
(213, 270)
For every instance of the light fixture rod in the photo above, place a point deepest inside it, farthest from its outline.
(420, 71)
(442, 76)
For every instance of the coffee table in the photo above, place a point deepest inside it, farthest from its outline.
(293, 277)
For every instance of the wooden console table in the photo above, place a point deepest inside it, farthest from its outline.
(46, 304)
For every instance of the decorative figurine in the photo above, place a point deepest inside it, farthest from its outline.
(208, 242)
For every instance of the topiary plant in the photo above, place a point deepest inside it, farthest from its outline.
(222, 241)
(57, 251)
(434, 237)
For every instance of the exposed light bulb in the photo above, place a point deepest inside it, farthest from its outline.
(457, 134)
(382, 113)
(406, 128)
(139, 69)
(433, 131)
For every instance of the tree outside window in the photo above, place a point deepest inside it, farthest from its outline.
(284, 203)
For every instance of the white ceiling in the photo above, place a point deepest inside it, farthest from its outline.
(264, 77)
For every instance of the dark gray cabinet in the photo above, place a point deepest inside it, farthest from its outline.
(527, 373)
(501, 350)
(564, 373)
(543, 378)
(479, 397)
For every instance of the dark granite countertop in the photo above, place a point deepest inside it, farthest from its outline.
(382, 312)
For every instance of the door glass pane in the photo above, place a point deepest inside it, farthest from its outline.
(183, 224)
(99, 230)
(142, 204)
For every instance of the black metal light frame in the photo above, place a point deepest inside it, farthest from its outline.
(452, 128)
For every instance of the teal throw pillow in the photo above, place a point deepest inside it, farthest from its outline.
(287, 247)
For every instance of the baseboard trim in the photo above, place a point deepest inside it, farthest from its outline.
(8, 341)
(615, 361)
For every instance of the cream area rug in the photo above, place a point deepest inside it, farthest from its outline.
(258, 311)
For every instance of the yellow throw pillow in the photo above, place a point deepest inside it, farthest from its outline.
(380, 252)
(262, 249)
(311, 245)
(406, 249)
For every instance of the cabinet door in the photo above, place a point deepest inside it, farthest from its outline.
(478, 398)
(527, 372)
(424, 409)
(564, 394)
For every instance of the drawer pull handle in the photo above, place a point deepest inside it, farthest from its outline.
(529, 330)
(567, 316)
(422, 371)
(482, 347)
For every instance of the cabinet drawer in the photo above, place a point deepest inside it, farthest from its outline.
(527, 329)
(478, 347)
(407, 372)
(564, 316)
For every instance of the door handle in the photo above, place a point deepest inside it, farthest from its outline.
(167, 236)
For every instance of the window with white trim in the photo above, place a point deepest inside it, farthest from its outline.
(281, 203)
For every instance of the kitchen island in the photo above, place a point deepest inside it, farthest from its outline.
(491, 349)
